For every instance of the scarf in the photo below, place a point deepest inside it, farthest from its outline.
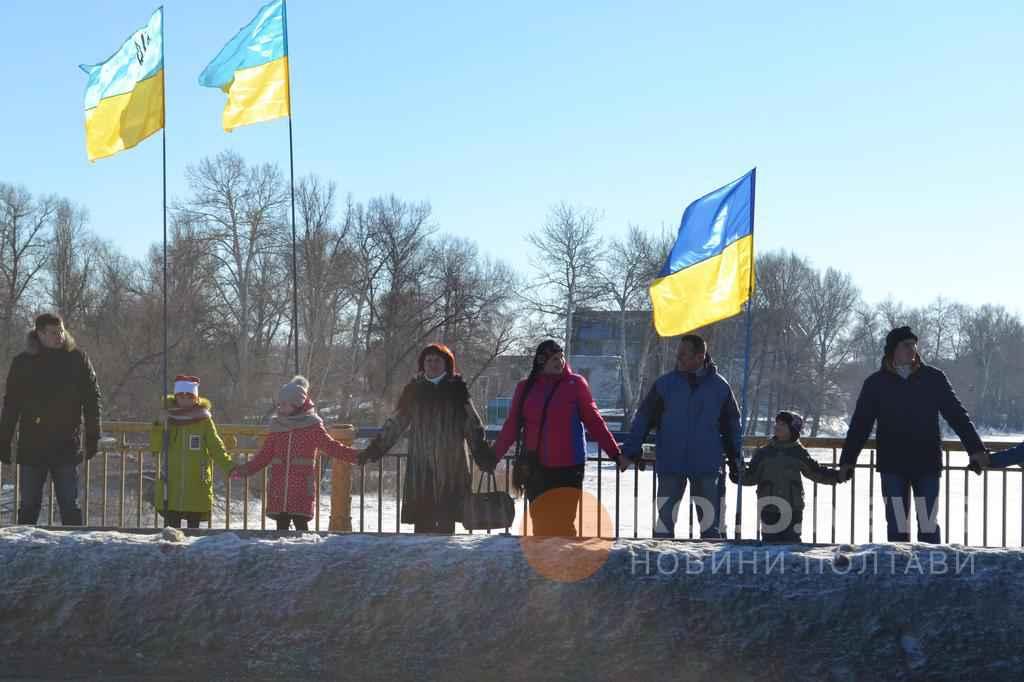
(178, 416)
(436, 380)
(306, 416)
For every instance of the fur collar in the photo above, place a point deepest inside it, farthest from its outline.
(915, 364)
(33, 346)
(188, 415)
(452, 388)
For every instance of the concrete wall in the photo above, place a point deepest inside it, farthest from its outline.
(125, 606)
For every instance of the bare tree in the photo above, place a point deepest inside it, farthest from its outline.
(239, 211)
(71, 265)
(400, 313)
(831, 301)
(566, 257)
(627, 268)
(780, 349)
(24, 236)
(325, 273)
(475, 303)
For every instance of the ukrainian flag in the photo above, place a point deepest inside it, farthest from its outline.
(253, 70)
(709, 274)
(124, 98)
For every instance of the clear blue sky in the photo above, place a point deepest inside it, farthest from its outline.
(888, 136)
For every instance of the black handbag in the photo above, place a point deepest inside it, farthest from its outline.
(488, 509)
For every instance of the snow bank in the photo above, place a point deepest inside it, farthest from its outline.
(227, 605)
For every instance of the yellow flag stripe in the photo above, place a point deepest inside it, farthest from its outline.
(706, 292)
(122, 121)
(259, 93)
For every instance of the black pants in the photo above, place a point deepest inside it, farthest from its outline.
(771, 516)
(173, 519)
(65, 486)
(555, 514)
(285, 520)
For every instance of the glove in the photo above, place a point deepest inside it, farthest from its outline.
(485, 458)
(371, 453)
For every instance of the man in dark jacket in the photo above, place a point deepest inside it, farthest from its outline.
(49, 388)
(695, 414)
(905, 397)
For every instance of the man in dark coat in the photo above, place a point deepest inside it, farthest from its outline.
(905, 397)
(50, 386)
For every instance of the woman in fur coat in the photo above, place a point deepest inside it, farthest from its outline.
(442, 424)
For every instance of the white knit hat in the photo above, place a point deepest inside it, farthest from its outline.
(186, 384)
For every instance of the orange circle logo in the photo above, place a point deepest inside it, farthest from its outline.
(567, 535)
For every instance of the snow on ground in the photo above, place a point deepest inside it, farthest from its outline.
(227, 605)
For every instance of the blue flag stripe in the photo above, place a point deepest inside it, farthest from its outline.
(261, 41)
(711, 224)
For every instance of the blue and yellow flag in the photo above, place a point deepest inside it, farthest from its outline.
(709, 274)
(124, 98)
(253, 70)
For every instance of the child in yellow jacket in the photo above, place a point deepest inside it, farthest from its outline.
(192, 444)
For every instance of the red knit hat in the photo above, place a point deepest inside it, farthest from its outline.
(443, 351)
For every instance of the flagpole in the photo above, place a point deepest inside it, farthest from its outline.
(746, 362)
(163, 381)
(291, 169)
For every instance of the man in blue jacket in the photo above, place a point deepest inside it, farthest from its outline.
(695, 414)
(905, 398)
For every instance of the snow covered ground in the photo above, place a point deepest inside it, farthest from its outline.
(158, 606)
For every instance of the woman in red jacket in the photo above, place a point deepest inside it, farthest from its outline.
(548, 413)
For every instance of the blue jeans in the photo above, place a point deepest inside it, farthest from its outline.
(707, 496)
(65, 485)
(896, 489)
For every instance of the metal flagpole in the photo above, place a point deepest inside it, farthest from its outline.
(291, 168)
(163, 380)
(746, 363)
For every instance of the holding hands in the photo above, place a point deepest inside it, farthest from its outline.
(980, 461)
(485, 458)
(371, 453)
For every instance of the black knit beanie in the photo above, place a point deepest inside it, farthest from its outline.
(896, 337)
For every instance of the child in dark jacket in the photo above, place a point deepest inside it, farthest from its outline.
(776, 470)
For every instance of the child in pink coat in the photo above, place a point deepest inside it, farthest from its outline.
(296, 433)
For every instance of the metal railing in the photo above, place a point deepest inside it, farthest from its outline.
(116, 490)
